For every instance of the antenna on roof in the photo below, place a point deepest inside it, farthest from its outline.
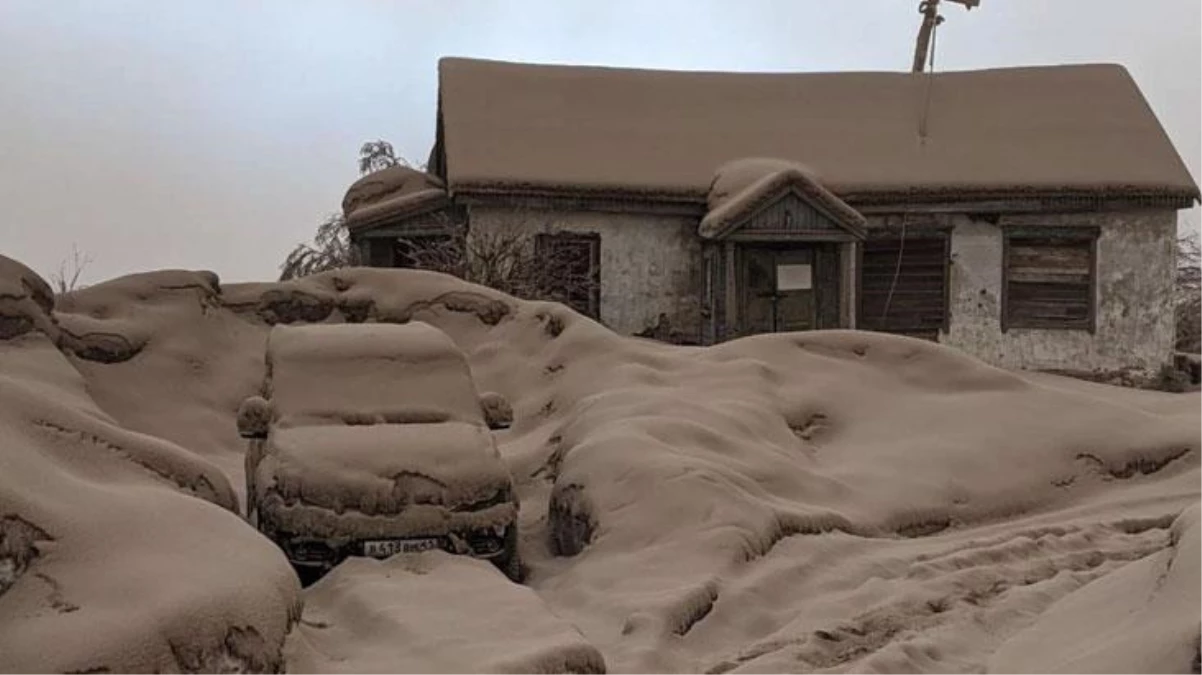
(931, 18)
(924, 52)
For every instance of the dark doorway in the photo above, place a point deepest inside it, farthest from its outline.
(785, 288)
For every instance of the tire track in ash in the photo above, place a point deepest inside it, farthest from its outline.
(836, 601)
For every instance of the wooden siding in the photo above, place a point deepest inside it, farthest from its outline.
(918, 303)
(1048, 279)
(827, 284)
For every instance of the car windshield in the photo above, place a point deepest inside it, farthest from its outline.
(369, 373)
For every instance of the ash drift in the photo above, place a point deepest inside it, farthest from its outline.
(829, 501)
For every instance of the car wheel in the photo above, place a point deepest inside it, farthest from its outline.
(510, 562)
(308, 574)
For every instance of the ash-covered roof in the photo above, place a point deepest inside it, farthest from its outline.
(1076, 129)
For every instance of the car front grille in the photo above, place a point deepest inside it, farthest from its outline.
(309, 551)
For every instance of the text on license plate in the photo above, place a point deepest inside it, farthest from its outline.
(385, 547)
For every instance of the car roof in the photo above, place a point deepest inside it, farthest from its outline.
(398, 373)
(416, 340)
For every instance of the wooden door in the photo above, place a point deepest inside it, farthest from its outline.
(779, 293)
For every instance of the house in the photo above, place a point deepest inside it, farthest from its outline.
(1025, 215)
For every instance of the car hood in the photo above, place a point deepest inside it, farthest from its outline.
(384, 468)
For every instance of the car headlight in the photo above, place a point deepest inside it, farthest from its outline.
(502, 496)
(485, 542)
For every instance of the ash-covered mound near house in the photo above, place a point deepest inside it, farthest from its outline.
(120, 551)
(791, 502)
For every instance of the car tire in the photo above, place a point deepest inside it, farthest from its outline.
(510, 562)
(308, 575)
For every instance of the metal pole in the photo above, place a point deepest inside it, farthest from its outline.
(930, 18)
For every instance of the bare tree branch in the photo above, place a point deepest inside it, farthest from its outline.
(69, 271)
(1189, 266)
(1189, 293)
(377, 155)
(506, 257)
(331, 249)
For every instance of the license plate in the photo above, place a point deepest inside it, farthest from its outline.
(387, 547)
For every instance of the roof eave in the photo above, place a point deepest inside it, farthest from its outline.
(375, 215)
(692, 201)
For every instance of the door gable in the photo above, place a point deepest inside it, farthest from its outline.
(785, 206)
(787, 213)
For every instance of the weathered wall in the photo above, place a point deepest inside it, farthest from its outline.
(1134, 295)
(650, 264)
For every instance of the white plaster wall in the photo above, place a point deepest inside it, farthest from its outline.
(650, 264)
(1134, 295)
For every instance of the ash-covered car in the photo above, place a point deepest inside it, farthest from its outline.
(372, 440)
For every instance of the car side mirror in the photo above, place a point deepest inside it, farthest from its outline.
(497, 411)
(254, 416)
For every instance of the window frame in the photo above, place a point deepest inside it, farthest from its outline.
(543, 240)
(1087, 235)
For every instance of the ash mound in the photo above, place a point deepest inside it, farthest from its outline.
(833, 500)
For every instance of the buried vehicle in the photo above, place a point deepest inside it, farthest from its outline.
(371, 440)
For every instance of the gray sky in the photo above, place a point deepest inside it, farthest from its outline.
(217, 134)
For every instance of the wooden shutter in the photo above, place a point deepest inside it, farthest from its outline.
(1048, 279)
(910, 298)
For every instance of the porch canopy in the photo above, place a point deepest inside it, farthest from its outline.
(392, 194)
(766, 199)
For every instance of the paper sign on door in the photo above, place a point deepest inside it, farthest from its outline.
(793, 277)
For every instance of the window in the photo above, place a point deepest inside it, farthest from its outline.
(571, 269)
(903, 284)
(1048, 278)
